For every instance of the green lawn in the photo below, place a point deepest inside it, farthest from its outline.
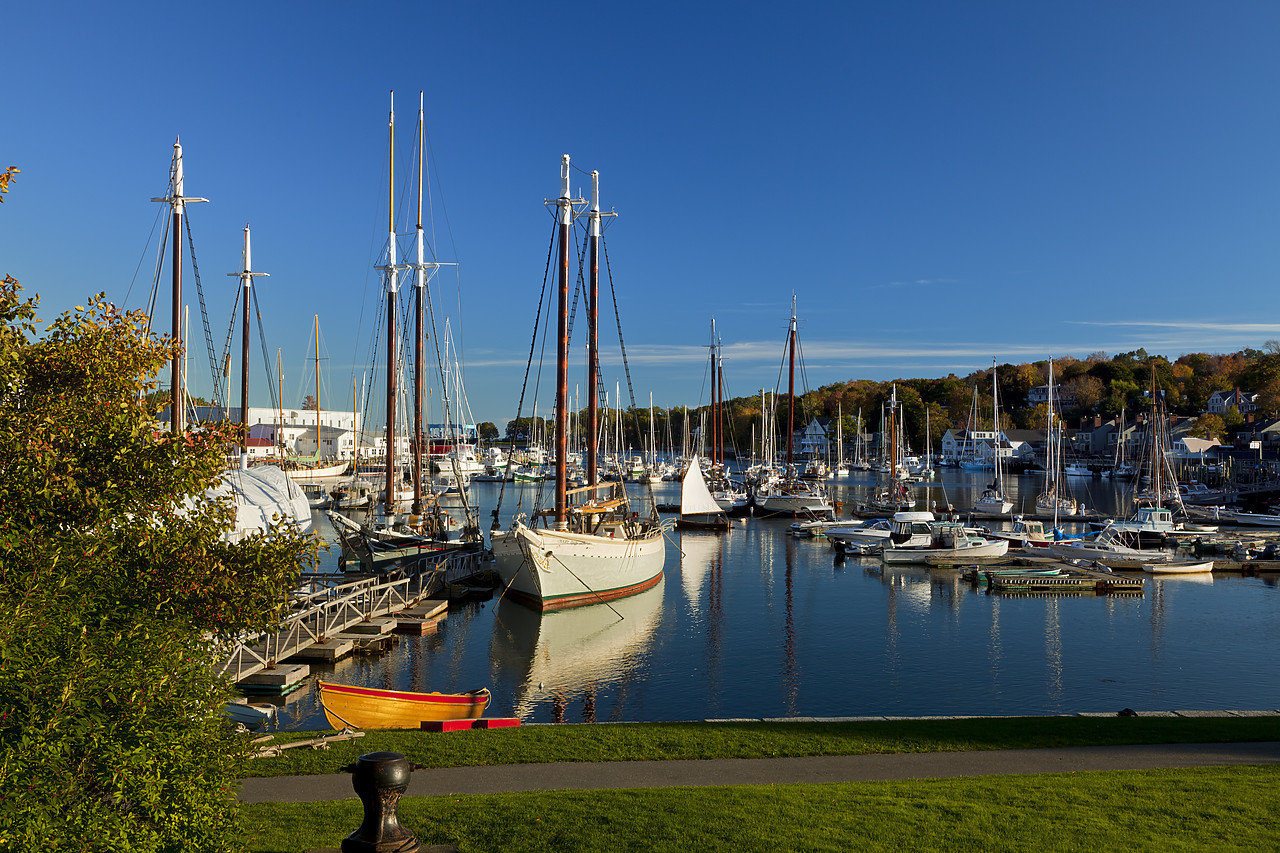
(650, 741)
(1217, 809)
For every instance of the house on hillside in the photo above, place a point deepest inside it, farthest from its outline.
(815, 440)
(1064, 399)
(1025, 444)
(1243, 402)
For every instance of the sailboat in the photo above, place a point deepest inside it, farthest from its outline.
(788, 495)
(970, 459)
(893, 494)
(261, 494)
(992, 499)
(310, 467)
(730, 496)
(841, 468)
(390, 537)
(1121, 469)
(698, 509)
(1052, 498)
(1152, 521)
(591, 546)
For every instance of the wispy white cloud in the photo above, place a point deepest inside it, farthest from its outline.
(1242, 328)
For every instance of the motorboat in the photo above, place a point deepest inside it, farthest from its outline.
(946, 539)
(873, 530)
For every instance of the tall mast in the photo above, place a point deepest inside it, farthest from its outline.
(995, 425)
(791, 381)
(317, 322)
(1054, 454)
(177, 202)
(246, 277)
(389, 271)
(1157, 451)
(420, 282)
(893, 440)
(562, 348)
(715, 398)
(280, 402)
(593, 329)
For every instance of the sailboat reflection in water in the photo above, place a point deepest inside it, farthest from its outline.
(579, 654)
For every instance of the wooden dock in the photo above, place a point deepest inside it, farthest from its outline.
(332, 615)
(1070, 579)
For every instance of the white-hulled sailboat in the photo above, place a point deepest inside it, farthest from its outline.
(590, 547)
(992, 499)
(788, 495)
(389, 536)
(699, 509)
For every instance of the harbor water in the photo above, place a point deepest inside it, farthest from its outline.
(756, 623)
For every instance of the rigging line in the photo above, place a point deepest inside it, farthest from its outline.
(622, 344)
(444, 209)
(159, 212)
(626, 367)
(155, 276)
(276, 401)
(473, 522)
(231, 329)
(204, 314)
(546, 273)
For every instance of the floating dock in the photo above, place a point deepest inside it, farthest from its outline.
(1069, 579)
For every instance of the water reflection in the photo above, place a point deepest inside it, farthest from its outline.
(699, 554)
(754, 623)
(555, 659)
(702, 559)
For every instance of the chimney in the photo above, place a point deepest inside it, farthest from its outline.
(1097, 421)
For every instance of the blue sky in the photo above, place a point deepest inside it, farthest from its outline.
(938, 183)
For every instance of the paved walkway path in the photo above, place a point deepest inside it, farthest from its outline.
(767, 771)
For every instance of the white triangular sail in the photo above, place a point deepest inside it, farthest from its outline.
(695, 497)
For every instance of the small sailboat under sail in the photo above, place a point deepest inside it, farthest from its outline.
(698, 508)
(590, 547)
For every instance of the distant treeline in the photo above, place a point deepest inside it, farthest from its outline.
(1097, 386)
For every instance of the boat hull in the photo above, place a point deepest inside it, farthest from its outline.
(992, 548)
(1178, 568)
(370, 708)
(335, 470)
(552, 569)
(1081, 551)
(790, 505)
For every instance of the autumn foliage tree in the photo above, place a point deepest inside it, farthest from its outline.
(117, 593)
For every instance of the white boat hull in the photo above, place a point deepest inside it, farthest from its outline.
(1178, 568)
(1065, 551)
(791, 505)
(1253, 519)
(998, 507)
(335, 470)
(551, 569)
(989, 548)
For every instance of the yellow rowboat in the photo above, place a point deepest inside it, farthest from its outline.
(346, 706)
